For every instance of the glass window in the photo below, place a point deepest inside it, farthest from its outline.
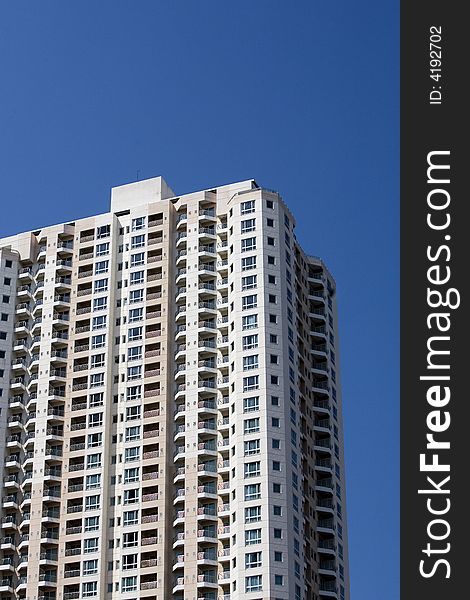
(134, 353)
(131, 475)
(136, 314)
(90, 545)
(92, 502)
(252, 469)
(250, 362)
(134, 373)
(134, 392)
(100, 303)
(135, 333)
(90, 567)
(253, 559)
(131, 517)
(252, 536)
(129, 584)
(102, 249)
(132, 454)
(137, 259)
(137, 277)
(101, 267)
(248, 244)
(249, 282)
(136, 296)
(250, 341)
(98, 341)
(96, 379)
(131, 496)
(252, 447)
(248, 263)
(93, 461)
(101, 285)
(251, 425)
(249, 302)
(247, 207)
(138, 223)
(103, 231)
(132, 433)
(90, 588)
(251, 383)
(97, 360)
(251, 404)
(253, 491)
(250, 322)
(137, 241)
(92, 481)
(92, 523)
(248, 225)
(252, 514)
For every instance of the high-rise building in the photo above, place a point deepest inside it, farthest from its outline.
(170, 404)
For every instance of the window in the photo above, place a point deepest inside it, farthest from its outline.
(253, 491)
(251, 425)
(94, 440)
(132, 433)
(97, 360)
(4, 317)
(131, 539)
(134, 373)
(252, 514)
(137, 241)
(131, 496)
(271, 260)
(138, 223)
(252, 469)
(273, 359)
(248, 244)
(247, 207)
(276, 444)
(137, 277)
(275, 422)
(135, 333)
(248, 263)
(7, 281)
(248, 225)
(92, 524)
(129, 584)
(98, 341)
(90, 588)
(278, 580)
(272, 318)
(249, 302)
(95, 420)
(278, 556)
(136, 314)
(90, 567)
(251, 404)
(272, 298)
(134, 353)
(101, 267)
(253, 559)
(251, 383)
(92, 481)
(272, 279)
(8, 263)
(103, 231)
(277, 534)
(252, 536)
(132, 454)
(277, 489)
(277, 511)
(131, 517)
(92, 502)
(276, 465)
(250, 341)
(136, 296)
(270, 222)
(131, 475)
(101, 285)
(100, 303)
(3, 335)
(250, 362)
(90, 545)
(129, 561)
(96, 379)
(102, 249)
(250, 322)
(93, 461)
(273, 338)
(252, 447)
(96, 400)
(137, 259)
(249, 283)
(5, 299)
(134, 392)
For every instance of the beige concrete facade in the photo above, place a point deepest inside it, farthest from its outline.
(171, 404)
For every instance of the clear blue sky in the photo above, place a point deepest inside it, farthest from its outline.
(301, 96)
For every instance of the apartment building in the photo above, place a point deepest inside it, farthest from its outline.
(170, 404)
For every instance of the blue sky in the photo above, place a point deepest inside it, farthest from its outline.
(301, 96)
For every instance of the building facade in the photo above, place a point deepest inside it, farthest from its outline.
(171, 405)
